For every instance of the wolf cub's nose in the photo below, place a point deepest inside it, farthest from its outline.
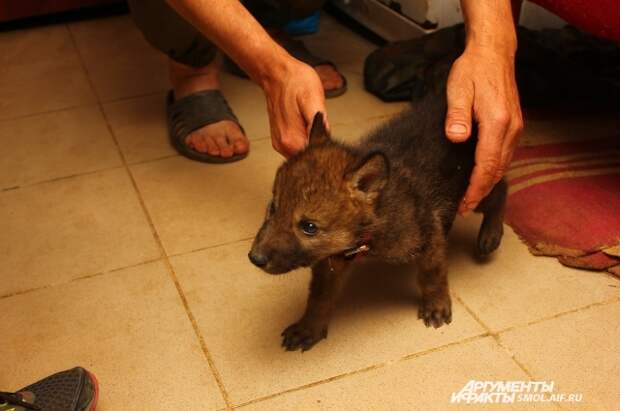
(259, 260)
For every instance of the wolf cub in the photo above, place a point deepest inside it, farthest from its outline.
(393, 196)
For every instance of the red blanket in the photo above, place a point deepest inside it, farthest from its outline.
(598, 17)
(564, 201)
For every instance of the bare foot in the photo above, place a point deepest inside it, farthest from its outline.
(223, 138)
(330, 77)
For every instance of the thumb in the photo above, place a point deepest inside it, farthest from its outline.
(458, 116)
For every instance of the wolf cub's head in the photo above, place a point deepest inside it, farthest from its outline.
(324, 198)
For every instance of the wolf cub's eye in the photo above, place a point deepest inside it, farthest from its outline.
(309, 228)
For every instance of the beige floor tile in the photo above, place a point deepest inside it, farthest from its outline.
(69, 228)
(339, 44)
(139, 125)
(195, 205)
(128, 327)
(35, 45)
(118, 59)
(54, 145)
(420, 383)
(241, 312)
(514, 287)
(30, 58)
(577, 351)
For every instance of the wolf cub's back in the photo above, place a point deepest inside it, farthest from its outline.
(422, 159)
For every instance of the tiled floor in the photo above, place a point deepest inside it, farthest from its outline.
(121, 256)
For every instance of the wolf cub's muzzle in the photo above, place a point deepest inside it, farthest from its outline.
(276, 252)
(258, 259)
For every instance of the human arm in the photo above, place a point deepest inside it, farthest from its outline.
(482, 85)
(293, 90)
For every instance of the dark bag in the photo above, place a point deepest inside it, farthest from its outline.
(551, 65)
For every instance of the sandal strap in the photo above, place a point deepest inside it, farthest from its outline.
(197, 110)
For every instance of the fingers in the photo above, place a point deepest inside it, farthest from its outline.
(460, 93)
(292, 107)
(497, 139)
(510, 143)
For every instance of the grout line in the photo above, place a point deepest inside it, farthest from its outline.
(40, 113)
(81, 277)
(180, 292)
(365, 369)
(101, 170)
(495, 337)
(496, 334)
(21, 292)
(164, 256)
(240, 240)
(141, 162)
(153, 160)
(445, 346)
(137, 96)
(68, 108)
(558, 315)
(55, 179)
(113, 270)
(100, 104)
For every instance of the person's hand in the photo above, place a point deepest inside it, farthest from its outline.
(482, 84)
(294, 96)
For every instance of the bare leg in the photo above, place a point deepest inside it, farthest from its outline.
(328, 279)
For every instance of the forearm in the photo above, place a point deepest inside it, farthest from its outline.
(229, 25)
(490, 25)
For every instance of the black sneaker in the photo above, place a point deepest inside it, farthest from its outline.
(71, 390)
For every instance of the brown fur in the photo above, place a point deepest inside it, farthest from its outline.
(397, 191)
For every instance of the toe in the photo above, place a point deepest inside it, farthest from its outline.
(196, 142)
(241, 146)
(238, 140)
(212, 148)
(226, 149)
(330, 77)
(223, 139)
(201, 144)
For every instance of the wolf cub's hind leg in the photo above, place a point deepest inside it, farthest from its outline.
(492, 228)
(328, 279)
(436, 306)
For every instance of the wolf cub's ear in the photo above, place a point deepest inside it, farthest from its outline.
(318, 131)
(369, 176)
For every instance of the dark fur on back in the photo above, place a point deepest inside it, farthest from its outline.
(428, 169)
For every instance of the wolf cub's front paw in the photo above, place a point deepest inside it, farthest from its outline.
(302, 335)
(436, 312)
